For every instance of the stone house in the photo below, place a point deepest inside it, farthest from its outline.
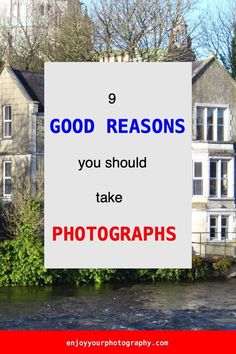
(21, 129)
(213, 147)
(213, 155)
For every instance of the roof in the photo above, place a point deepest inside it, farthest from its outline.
(196, 66)
(33, 83)
(199, 67)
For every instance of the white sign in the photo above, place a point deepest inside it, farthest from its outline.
(118, 165)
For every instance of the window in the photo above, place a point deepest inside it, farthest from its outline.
(219, 227)
(210, 132)
(7, 178)
(219, 178)
(211, 123)
(197, 179)
(220, 124)
(177, 37)
(213, 227)
(224, 178)
(7, 122)
(224, 227)
(200, 123)
(213, 178)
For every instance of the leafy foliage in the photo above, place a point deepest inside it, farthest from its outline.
(22, 265)
(22, 262)
(223, 264)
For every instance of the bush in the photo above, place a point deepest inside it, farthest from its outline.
(223, 264)
(31, 219)
(201, 269)
(74, 277)
(22, 262)
(6, 256)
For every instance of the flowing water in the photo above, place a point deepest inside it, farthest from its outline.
(203, 305)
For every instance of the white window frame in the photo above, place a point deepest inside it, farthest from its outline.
(218, 228)
(227, 121)
(198, 178)
(230, 178)
(6, 121)
(6, 178)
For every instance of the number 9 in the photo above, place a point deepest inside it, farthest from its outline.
(112, 98)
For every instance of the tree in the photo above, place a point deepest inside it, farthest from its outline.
(60, 32)
(218, 33)
(233, 54)
(72, 38)
(138, 27)
(24, 214)
(23, 37)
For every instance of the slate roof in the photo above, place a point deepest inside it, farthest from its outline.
(33, 83)
(198, 67)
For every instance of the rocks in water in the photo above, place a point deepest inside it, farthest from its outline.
(231, 275)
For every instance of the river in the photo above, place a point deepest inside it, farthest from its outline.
(200, 305)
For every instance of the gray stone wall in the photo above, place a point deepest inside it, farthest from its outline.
(215, 86)
(16, 149)
(10, 94)
(40, 134)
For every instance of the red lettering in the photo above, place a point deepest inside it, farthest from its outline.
(79, 233)
(91, 229)
(171, 233)
(69, 231)
(147, 231)
(137, 234)
(56, 231)
(160, 231)
(102, 233)
(125, 231)
(114, 233)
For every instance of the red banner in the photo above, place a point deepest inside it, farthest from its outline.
(128, 341)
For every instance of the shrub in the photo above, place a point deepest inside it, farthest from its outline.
(6, 256)
(223, 264)
(197, 261)
(22, 262)
(74, 277)
(24, 214)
